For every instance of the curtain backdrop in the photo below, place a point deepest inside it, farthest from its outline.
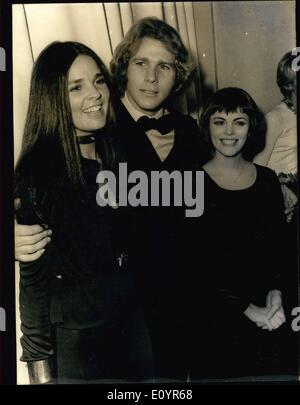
(234, 43)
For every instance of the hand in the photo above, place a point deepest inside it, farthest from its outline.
(290, 201)
(30, 241)
(259, 316)
(276, 311)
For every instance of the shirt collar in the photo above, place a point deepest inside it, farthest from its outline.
(136, 114)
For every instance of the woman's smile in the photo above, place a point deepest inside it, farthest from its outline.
(228, 132)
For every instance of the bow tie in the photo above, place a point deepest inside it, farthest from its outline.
(164, 125)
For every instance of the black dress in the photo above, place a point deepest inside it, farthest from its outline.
(241, 237)
(77, 305)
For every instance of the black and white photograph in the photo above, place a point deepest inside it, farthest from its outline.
(155, 192)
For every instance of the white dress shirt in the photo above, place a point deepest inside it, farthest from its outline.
(161, 143)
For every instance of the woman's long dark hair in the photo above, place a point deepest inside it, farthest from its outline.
(50, 156)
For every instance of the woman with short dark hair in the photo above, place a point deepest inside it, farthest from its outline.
(240, 236)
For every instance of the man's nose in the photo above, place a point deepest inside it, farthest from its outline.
(151, 74)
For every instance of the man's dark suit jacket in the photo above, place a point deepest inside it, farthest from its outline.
(159, 247)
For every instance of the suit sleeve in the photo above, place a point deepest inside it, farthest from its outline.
(36, 340)
(198, 149)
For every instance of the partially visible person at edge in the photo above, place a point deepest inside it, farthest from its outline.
(240, 236)
(150, 67)
(80, 316)
(280, 155)
(280, 151)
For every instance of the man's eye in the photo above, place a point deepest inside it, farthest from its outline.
(140, 63)
(165, 67)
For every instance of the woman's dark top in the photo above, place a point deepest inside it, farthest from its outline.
(77, 283)
(240, 240)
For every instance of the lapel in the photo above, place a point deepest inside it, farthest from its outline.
(139, 151)
(135, 143)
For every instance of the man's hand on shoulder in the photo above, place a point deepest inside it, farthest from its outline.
(30, 241)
